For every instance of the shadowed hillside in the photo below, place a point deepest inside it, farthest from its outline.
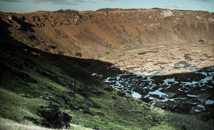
(33, 82)
(44, 81)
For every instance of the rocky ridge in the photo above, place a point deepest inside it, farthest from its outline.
(93, 34)
(46, 82)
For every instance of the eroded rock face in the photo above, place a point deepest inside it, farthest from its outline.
(166, 13)
(77, 19)
(55, 118)
(94, 33)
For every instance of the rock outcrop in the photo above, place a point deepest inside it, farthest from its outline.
(96, 33)
(55, 118)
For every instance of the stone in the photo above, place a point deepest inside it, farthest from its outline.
(78, 54)
(78, 19)
(55, 118)
(166, 13)
(10, 17)
(66, 22)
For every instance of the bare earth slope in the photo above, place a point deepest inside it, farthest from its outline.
(163, 57)
(92, 34)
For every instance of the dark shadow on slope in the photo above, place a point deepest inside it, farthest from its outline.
(168, 95)
(69, 82)
(18, 61)
(23, 25)
(81, 69)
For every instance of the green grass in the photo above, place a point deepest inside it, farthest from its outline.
(15, 107)
(29, 82)
(138, 38)
(191, 122)
(139, 41)
(122, 26)
(201, 40)
(6, 124)
(124, 41)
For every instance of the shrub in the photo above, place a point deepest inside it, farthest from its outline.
(201, 40)
(139, 41)
(124, 41)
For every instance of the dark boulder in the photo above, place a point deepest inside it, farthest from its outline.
(55, 118)
(78, 54)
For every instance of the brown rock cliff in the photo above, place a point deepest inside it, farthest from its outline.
(92, 34)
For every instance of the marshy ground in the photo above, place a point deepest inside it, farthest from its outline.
(178, 77)
(49, 65)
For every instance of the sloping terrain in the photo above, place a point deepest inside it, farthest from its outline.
(176, 77)
(40, 72)
(92, 34)
(32, 80)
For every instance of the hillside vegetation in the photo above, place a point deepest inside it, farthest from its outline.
(40, 78)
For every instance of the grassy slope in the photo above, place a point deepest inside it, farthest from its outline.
(6, 124)
(31, 78)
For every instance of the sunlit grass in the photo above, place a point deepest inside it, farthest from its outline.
(15, 107)
(116, 112)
